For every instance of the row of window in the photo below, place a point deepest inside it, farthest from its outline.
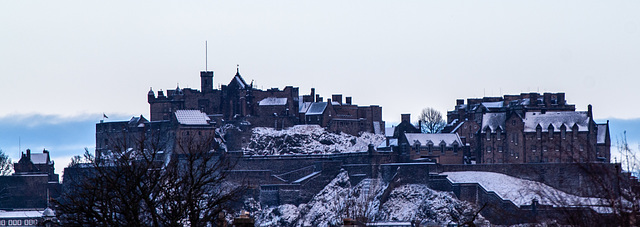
(418, 148)
(534, 148)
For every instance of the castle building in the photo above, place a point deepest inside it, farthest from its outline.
(32, 183)
(185, 112)
(240, 101)
(529, 128)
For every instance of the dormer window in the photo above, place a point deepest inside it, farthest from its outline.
(498, 132)
(563, 132)
(442, 147)
(550, 129)
(488, 131)
(539, 132)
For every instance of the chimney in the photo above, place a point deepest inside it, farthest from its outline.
(459, 102)
(313, 95)
(589, 111)
(337, 98)
(318, 98)
(329, 101)
(29, 154)
(348, 100)
(405, 117)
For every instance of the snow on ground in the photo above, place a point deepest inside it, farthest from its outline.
(520, 191)
(304, 139)
(339, 199)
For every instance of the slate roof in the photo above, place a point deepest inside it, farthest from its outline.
(39, 158)
(435, 138)
(602, 133)
(304, 107)
(493, 121)
(556, 119)
(192, 117)
(239, 81)
(273, 101)
(317, 108)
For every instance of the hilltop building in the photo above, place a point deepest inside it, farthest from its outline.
(529, 128)
(239, 101)
(32, 183)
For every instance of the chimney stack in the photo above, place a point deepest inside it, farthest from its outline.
(29, 154)
(313, 95)
(348, 100)
(405, 117)
(337, 98)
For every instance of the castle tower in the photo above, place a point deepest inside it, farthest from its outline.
(206, 81)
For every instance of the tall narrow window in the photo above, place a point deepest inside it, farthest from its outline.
(442, 148)
(498, 133)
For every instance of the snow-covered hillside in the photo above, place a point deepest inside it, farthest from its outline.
(339, 199)
(304, 139)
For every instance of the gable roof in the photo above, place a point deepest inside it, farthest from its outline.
(556, 120)
(493, 121)
(238, 80)
(192, 117)
(435, 138)
(304, 107)
(273, 101)
(317, 108)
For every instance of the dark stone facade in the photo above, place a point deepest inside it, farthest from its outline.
(240, 101)
(32, 184)
(510, 129)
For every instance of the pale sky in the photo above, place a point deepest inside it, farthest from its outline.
(83, 58)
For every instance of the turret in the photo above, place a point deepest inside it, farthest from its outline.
(150, 96)
(206, 81)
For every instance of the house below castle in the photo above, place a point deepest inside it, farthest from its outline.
(32, 183)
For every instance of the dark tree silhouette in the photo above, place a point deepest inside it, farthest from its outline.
(141, 185)
(430, 120)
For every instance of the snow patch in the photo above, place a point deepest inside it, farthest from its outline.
(306, 139)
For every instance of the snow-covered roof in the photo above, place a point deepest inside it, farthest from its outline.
(317, 108)
(393, 142)
(519, 191)
(192, 117)
(39, 158)
(304, 106)
(335, 103)
(493, 121)
(388, 131)
(493, 104)
(457, 127)
(273, 101)
(602, 133)
(435, 138)
(238, 79)
(21, 214)
(556, 119)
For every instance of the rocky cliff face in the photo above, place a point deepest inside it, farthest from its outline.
(339, 200)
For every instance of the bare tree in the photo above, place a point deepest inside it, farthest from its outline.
(139, 185)
(6, 166)
(430, 121)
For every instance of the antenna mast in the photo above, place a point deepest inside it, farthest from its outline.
(206, 56)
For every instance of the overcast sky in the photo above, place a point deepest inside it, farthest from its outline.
(64, 63)
(82, 58)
